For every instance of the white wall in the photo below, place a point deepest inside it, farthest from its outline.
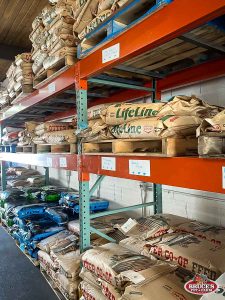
(203, 206)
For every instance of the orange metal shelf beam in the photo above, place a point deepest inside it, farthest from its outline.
(50, 89)
(187, 172)
(205, 71)
(167, 23)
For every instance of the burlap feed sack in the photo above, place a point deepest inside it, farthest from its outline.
(110, 261)
(68, 264)
(94, 112)
(31, 125)
(215, 124)
(38, 140)
(84, 14)
(119, 3)
(69, 286)
(121, 113)
(214, 234)
(150, 227)
(60, 137)
(188, 106)
(161, 284)
(45, 259)
(183, 249)
(36, 181)
(174, 220)
(91, 292)
(52, 126)
(50, 242)
(24, 57)
(156, 127)
(100, 18)
(97, 130)
(105, 4)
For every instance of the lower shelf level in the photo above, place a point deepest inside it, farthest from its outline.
(206, 174)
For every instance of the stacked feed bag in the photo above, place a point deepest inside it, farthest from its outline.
(10, 135)
(169, 241)
(20, 74)
(179, 117)
(60, 259)
(114, 272)
(211, 135)
(55, 133)
(26, 136)
(71, 202)
(52, 35)
(34, 223)
(90, 14)
(5, 100)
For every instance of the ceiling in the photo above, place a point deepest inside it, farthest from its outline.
(16, 18)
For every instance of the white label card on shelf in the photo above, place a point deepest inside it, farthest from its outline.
(139, 167)
(111, 53)
(63, 162)
(52, 87)
(49, 162)
(223, 177)
(109, 163)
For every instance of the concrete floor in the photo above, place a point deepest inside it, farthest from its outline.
(19, 278)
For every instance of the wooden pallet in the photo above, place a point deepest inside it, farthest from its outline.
(132, 12)
(167, 147)
(44, 76)
(26, 149)
(62, 148)
(53, 285)
(212, 145)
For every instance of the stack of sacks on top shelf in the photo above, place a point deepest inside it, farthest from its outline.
(60, 259)
(26, 136)
(5, 99)
(89, 14)
(54, 133)
(20, 74)
(114, 272)
(175, 243)
(177, 118)
(10, 135)
(52, 36)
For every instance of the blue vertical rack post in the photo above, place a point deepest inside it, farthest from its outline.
(157, 188)
(82, 122)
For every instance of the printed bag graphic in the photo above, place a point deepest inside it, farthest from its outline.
(201, 285)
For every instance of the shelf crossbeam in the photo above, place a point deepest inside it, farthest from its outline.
(120, 84)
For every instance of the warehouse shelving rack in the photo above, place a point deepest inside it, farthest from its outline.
(175, 19)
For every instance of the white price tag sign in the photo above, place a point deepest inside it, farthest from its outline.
(223, 177)
(63, 162)
(52, 87)
(139, 167)
(109, 163)
(111, 53)
(49, 162)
